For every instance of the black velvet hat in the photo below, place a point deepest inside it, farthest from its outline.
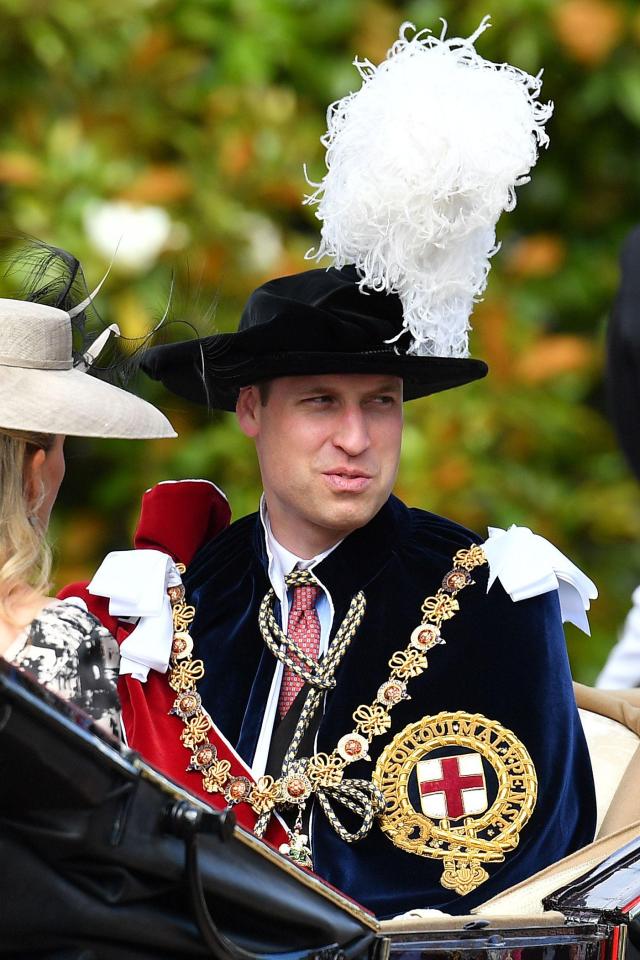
(314, 322)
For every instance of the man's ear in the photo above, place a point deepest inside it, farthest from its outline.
(248, 411)
(32, 478)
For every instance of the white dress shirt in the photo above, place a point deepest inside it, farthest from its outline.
(622, 669)
(281, 564)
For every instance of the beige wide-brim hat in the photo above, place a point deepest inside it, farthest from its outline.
(42, 391)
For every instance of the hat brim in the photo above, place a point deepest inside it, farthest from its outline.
(182, 369)
(73, 403)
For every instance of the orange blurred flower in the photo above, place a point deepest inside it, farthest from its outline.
(236, 154)
(551, 356)
(19, 169)
(159, 184)
(588, 29)
(538, 255)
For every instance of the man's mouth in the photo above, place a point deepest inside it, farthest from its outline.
(349, 481)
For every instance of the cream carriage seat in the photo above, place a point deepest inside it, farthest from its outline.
(611, 722)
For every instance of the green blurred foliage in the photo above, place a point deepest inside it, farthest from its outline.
(208, 109)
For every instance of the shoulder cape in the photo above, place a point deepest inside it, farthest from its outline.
(176, 518)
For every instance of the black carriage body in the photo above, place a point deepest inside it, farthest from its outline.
(481, 940)
(103, 858)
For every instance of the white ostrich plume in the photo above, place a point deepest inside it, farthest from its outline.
(421, 162)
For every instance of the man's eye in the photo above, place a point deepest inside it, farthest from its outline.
(384, 400)
(318, 401)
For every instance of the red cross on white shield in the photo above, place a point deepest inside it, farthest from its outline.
(452, 787)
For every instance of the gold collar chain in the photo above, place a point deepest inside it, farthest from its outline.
(323, 773)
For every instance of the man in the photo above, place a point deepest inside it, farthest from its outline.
(418, 733)
(496, 682)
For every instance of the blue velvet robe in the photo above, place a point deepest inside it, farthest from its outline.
(502, 659)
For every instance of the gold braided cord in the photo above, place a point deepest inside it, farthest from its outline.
(323, 679)
(318, 674)
(362, 797)
(322, 774)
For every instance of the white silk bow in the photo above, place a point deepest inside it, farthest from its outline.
(528, 565)
(136, 582)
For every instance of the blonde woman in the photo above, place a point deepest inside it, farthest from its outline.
(45, 394)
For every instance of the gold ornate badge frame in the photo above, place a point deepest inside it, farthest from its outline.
(478, 839)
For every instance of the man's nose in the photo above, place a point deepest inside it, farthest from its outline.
(352, 432)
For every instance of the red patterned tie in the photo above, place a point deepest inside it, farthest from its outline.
(304, 629)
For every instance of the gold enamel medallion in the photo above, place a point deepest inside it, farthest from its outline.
(441, 760)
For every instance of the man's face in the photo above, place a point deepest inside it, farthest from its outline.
(328, 448)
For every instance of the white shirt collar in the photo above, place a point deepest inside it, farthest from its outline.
(281, 560)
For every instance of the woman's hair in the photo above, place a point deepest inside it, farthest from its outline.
(25, 557)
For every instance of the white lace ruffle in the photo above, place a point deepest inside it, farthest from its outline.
(136, 582)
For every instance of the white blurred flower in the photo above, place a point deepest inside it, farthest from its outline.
(132, 235)
(264, 241)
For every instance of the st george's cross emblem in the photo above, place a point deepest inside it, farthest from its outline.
(437, 803)
(452, 787)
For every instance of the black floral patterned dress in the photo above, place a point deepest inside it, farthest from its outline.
(66, 649)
